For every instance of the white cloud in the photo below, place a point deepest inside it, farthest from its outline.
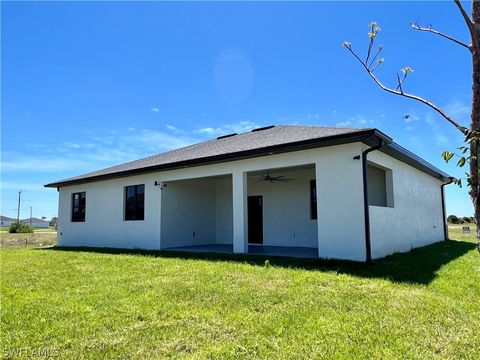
(459, 111)
(111, 148)
(209, 130)
(155, 109)
(41, 163)
(313, 116)
(239, 127)
(347, 123)
(359, 121)
(171, 127)
(442, 140)
(21, 186)
(430, 118)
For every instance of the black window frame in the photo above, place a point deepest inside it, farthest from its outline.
(134, 211)
(79, 211)
(313, 200)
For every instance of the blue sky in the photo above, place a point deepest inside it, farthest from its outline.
(86, 85)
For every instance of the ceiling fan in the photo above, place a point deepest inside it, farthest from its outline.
(272, 179)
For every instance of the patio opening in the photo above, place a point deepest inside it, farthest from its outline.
(282, 212)
(197, 212)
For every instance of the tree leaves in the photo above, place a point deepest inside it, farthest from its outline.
(447, 156)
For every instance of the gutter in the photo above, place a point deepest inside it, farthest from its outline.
(368, 247)
(445, 226)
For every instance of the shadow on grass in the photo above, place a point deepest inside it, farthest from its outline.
(418, 266)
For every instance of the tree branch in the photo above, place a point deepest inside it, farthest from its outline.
(436, 32)
(400, 82)
(375, 57)
(468, 21)
(409, 96)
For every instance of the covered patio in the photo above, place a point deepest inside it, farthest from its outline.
(269, 211)
(264, 250)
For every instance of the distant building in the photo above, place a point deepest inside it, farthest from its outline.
(36, 222)
(6, 221)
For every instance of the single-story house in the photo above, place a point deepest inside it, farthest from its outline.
(6, 221)
(36, 222)
(305, 191)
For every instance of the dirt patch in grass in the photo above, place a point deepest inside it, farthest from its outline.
(42, 238)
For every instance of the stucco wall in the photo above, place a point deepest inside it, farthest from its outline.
(104, 225)
(224, 211)
(188, 213)
(416, 217)
(341, 225)
(286, 209)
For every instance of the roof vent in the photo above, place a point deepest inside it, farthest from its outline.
(226, 136)
(263, 128)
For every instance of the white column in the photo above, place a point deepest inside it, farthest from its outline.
(160, 191)
(240, 218)
(318, 177)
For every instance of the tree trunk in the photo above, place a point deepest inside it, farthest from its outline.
(475, 116)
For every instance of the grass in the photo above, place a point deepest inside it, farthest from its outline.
(119, 304)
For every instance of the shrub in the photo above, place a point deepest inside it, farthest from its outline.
(19, 227)
(452, 219)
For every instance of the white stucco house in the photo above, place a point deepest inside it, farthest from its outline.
(6, 221)
(303, 191)
(36, 222)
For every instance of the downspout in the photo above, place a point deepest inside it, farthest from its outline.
(445, 233)
(366, 209)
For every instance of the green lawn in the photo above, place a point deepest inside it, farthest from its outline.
(114, 304)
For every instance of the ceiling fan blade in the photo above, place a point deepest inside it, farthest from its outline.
(281, 177)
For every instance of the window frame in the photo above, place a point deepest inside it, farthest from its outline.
(138, 208)
(76, 211)
(313, 200)
(389, 186)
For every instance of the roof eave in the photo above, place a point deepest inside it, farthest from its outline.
(369, 137)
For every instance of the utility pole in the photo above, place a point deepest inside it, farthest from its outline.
(31, 215)
(18, 210)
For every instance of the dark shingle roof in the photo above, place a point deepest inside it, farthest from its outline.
(256, 143)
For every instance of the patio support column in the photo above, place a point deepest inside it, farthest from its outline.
(240, 218)
(318, 175)
(160, 192)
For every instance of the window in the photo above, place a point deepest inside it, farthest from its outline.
(79, 202)
(134, 202)
(313, 199)
(380, 186)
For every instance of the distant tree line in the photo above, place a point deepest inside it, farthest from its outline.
(453, 219)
